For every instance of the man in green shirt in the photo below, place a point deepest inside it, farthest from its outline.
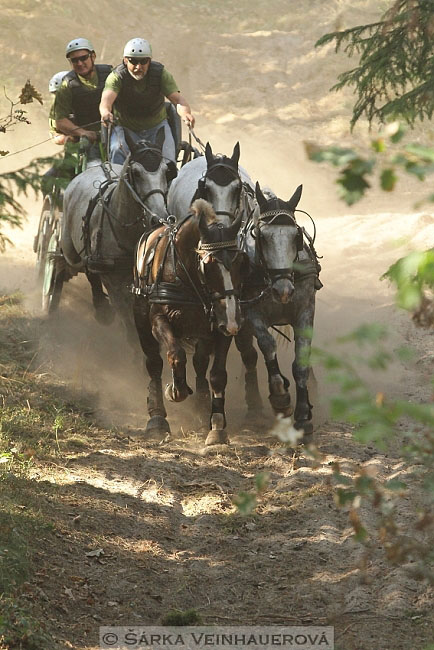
(134, 94)
(75, 108)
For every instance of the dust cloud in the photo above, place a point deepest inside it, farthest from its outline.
(252, 75)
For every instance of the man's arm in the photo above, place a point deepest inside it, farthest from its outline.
(61, 109)
(64, 125)
(182, 107)
(105, 108)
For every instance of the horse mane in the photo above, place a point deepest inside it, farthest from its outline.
(201, 206)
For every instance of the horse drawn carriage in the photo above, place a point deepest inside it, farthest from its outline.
(52, 269)
(242, 268)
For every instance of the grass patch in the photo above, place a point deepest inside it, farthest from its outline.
(20, 630)
(37, 421)
(178, 617)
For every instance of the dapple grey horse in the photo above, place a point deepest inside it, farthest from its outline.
(280, 290)
(106, 210)
(281, 287)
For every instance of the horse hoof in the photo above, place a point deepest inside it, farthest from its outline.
(157, 424)
(173, 395)
(281, 404)
(305, 425)
(217, 437)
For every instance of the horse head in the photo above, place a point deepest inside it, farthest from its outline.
(278, 240)
(221, 184)
(148, 172)
(223, 266)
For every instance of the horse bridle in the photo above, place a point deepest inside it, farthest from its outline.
(142, 201)
(167, 293)
(212, 250)
(278, 217)
(202, 189)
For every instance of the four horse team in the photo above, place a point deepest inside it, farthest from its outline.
(209, 259)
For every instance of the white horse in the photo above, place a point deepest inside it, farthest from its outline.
(105, 211)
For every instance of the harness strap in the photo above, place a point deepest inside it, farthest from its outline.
(85, 236)
(215, 246)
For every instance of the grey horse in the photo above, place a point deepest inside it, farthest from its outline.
(280, 290)
(105, 211)
(217, 179)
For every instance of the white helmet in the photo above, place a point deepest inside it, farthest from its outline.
(139, 48)
(56, 80)
(78, 44)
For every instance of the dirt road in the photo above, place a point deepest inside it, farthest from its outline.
(163, 514)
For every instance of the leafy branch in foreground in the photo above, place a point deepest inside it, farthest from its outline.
(396, 58)
(16, 115)
(386, 158)
(377, 419)
(413, 276)
(393, 80)
(22, 181)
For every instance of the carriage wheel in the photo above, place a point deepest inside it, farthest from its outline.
(42, 240)
(53, 271)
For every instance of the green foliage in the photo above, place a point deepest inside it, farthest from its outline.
(393, 80)
(31, 177)
(377, 419)
(178, 617)
(20, 630)
(387, 158)
(394, 75)
(246, 502)
(412, 275)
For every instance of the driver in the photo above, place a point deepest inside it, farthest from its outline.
(75, 109)
(136, 90)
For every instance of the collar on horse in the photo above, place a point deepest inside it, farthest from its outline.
(178, 292)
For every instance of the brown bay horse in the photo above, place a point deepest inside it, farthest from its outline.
(188, 278)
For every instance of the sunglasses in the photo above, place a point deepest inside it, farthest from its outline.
(79, 59)
(135, 61)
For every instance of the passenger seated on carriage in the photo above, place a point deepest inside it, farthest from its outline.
(53, 87)
(134, 95)
(75, 108)
(57, 137)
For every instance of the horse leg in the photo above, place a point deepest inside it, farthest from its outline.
(157, 422)
(304, 308)
(300, 372)
(249, 356)
(178, 390)
(118, 289)
(200, 363)
(218, 378)
(278, 385)
(104, 312)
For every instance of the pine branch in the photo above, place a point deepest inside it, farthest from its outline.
(396, 61)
